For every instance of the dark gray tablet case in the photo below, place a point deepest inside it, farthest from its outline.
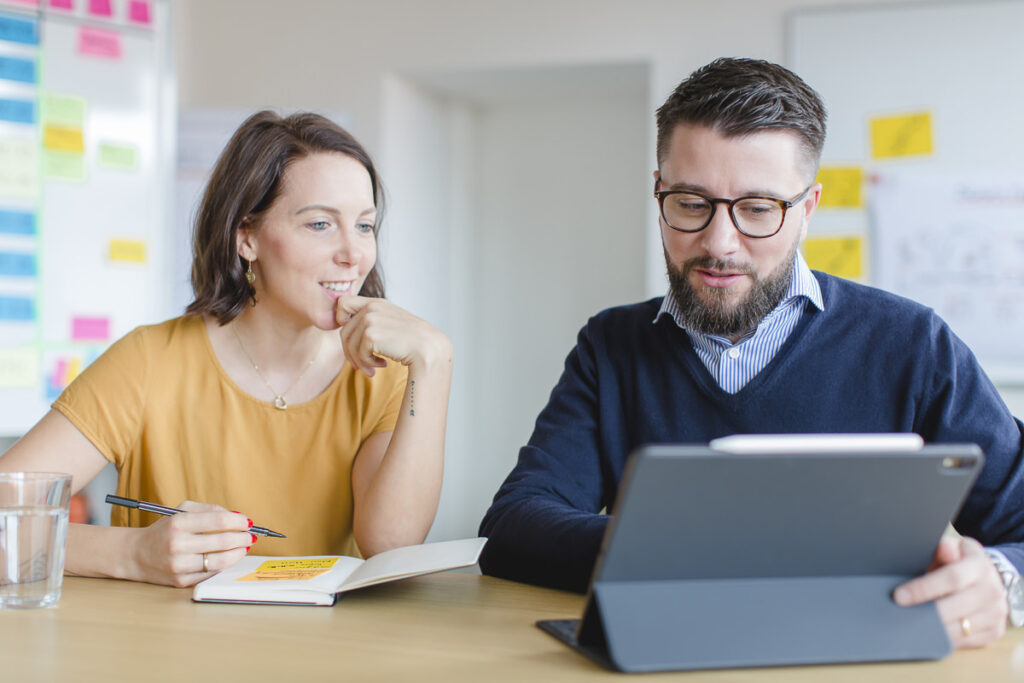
(714, 560)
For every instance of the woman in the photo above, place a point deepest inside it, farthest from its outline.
(290, 390)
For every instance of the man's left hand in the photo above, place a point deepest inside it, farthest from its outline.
(967, 590)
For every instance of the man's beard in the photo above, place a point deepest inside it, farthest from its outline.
(709, 310)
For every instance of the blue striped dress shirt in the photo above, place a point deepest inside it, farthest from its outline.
(733, 365)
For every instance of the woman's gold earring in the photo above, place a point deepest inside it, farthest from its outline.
(250, 276)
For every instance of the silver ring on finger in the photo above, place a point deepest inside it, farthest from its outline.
(206, 568)
(965, 626)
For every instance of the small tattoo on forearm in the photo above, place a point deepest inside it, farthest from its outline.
(412, 396)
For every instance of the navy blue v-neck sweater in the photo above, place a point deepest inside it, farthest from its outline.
(870, 362)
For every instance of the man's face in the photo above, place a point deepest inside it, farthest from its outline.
(724, 281)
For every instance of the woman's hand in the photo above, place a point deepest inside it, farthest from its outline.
(374, 329)
(183, 549)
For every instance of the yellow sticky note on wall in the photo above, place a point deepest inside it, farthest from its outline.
(839, 256)
(841, 186)
(63, 139)
(901, 136)
(130, 251)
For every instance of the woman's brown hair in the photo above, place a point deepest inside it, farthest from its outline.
(244, 184)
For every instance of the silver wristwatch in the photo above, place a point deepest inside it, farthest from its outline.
(1013, 584)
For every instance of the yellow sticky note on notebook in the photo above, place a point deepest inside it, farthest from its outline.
(901, 136)
(128, 251)
(291, 570)
(839, 256)
(63, 139)
(841, 186)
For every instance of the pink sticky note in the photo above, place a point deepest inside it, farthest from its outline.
(99, 43)
(61, 4)
(138, 11)
(60, 374)
(100, 8)
(34, 3)
(90, 329)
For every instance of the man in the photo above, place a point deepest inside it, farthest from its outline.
(749, 340)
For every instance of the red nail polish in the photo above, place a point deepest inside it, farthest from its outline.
(247, 549)
(253, 538)
(236, 512)
(250, 522)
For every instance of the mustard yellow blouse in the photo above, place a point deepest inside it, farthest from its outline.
(159, 406)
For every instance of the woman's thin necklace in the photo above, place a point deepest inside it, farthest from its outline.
(279, 402)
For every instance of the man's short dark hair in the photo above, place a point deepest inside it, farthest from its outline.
(737, 97)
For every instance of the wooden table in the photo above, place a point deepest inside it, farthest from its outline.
(446, 627)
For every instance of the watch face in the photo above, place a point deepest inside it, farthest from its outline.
(1015, 597)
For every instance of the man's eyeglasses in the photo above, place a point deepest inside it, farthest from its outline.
(758, 217)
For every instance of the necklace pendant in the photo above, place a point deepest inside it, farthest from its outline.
(280, 403)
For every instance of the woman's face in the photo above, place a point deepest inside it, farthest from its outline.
(316, 242)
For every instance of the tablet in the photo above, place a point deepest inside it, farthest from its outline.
(764, 557)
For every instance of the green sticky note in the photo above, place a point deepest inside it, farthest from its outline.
(63, 165)
(18, 163)
(117, 155)
(63, 109)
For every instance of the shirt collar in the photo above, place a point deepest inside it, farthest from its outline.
(802, 284)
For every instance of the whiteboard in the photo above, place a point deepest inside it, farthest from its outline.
(958, 63)
(98, 147)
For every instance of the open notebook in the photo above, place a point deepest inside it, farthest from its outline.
(320, 579)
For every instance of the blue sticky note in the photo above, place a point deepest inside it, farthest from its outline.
(18, 30)
(17, 222)
(15, 69)
(18, 111)
(17, 263)
(17, 308)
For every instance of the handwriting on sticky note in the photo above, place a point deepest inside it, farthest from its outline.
(63, 139)
(291, 570)
(99, 43)
(901, 136)
(19, 368)
(129, 251)
(840, 256)
(841, 186)
(90, 329)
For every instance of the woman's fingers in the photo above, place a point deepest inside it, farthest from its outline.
(187, 547)
(373, 330)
